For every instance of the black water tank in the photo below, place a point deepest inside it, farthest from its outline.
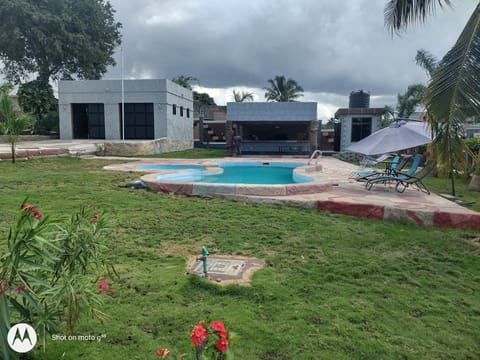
(359, 99)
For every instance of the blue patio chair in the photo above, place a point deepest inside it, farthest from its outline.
(414, 181)
(368, 166)
(396, 176)
(365, 174)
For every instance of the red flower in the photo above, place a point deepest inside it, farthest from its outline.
(219, 327)
(33, 209)
(2, 291)
(199, 334)
(163, 352)
(221, 344)
(26, 206)
(19, 288)
(103, 287)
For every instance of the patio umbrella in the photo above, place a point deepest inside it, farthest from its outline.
(398, 136)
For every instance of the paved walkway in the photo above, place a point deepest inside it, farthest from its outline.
(32, 149)
(339, 195)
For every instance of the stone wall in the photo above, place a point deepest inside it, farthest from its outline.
(146, 147)
(3, 138)
(348, 156)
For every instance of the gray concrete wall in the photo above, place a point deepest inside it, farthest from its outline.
(271, 111)
(179, 127)
(162, 93)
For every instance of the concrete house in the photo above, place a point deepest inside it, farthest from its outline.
(357, 121)
(156, 110)
(274, 127)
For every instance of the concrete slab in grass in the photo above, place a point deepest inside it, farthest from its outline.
(225, 269)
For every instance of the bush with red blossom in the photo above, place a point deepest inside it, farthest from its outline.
(212, 342)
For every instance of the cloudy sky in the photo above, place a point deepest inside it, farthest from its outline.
(329, 47)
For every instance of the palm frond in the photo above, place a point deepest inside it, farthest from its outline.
(401, 13)
(426, 60)
(242, 96)
(453, 93)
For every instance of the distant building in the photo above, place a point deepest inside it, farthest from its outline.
(357, 121)
(153, 109)
(327, 139)
(274, 127)
(212, 130)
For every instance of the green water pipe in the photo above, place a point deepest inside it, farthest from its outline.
(203, 259)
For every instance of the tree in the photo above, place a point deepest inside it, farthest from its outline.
(184, 80)
(388, 116)
(243, 96)
(202, 99)
(12, 124)
(283, 90)
(199, 99)
(407, 103)
(427, 61)
(57, 39)
(454, 89)
(330, 124)
(37, 98)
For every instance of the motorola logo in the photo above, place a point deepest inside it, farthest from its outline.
(22, 338)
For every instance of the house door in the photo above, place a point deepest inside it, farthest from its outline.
(88, 121)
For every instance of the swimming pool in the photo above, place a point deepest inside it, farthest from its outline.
(170, 167)
(267, 173)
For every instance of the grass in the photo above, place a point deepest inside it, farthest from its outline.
(336, 287)
(196, 153)
(443, 186)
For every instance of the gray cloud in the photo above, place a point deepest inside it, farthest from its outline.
(328, 46)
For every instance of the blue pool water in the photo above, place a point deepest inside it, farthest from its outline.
(244, 173)
(170, 167)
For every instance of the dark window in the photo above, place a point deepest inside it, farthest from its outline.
(188, 112)
(174, 109)
(181, 110)
(139, 122)
(361, 128)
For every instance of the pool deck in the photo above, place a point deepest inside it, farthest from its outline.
(331, 190)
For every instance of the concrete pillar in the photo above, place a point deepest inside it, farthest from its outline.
(66, 121)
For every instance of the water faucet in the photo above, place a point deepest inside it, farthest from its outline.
(203, 259)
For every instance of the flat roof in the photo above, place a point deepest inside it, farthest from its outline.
(272, 111)
(359, 111)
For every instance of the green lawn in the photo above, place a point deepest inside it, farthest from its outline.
(336, 287)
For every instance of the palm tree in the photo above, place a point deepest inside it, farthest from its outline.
(387, 117)
(184, 80)
(283, 90)
(454, 89)
(243, 96)
(409, 100)
(426, 60)
(12, 124)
